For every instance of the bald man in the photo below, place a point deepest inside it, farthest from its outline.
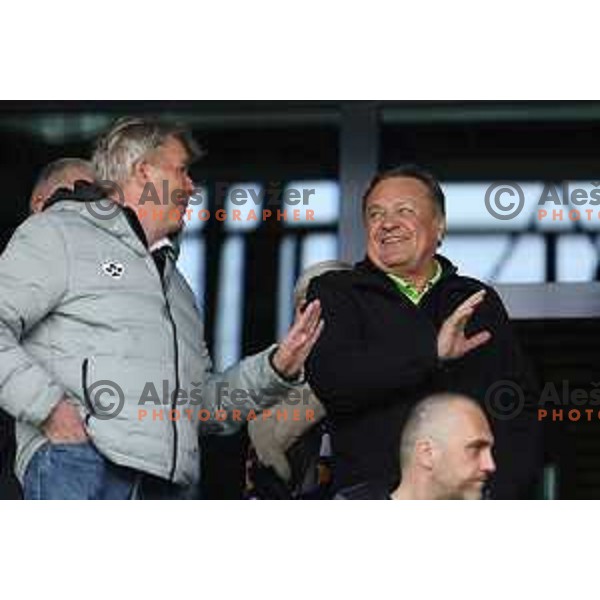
(61, 173)
(446, 450)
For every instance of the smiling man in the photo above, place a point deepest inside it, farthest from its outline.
(402, 325)
(404, 227)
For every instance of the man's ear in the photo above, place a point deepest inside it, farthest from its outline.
(35, 203)
(441, 232)
(424, 453)
(142, 171)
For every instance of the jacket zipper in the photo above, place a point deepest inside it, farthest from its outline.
(176, 391)
(86, 395)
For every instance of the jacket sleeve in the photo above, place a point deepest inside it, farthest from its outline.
(33, 278)
(250, 385)
(349, 372)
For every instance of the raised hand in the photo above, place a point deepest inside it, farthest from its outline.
(299, 341)
(452, 342)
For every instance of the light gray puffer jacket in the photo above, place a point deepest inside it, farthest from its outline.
(82, 302)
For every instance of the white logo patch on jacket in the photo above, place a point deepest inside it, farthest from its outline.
(113, 268)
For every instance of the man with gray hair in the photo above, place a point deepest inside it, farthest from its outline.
(403, 324)
(445, 451)
(105, 368)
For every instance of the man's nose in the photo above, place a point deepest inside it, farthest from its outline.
(188, 185)
(488, 465)
(389, 221)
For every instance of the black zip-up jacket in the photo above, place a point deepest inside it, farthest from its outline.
(377, 357)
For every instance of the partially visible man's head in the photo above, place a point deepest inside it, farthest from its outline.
(404, 213)
(315, 270)
(148, 159)
(61, 173)
(447, 446)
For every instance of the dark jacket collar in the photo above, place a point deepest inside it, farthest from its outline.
(371, 275)
(84, 191)
(366, 266)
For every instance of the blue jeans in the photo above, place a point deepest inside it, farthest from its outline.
(79, 472)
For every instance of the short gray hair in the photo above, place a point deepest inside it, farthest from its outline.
(53, 172)
(427, 420)
(129, 140)
(301, 287)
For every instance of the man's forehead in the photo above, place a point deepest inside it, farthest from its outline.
(175, 148)
(397, 189)
(478, 430)
(468, 423)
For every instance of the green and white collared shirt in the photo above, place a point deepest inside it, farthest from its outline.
(410, 291)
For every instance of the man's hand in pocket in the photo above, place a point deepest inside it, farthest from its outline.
(64, 425)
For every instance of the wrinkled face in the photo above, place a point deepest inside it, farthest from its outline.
(462, 465)
(403, 225)
(173, 185)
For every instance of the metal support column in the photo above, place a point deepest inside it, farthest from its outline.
(359, 161)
